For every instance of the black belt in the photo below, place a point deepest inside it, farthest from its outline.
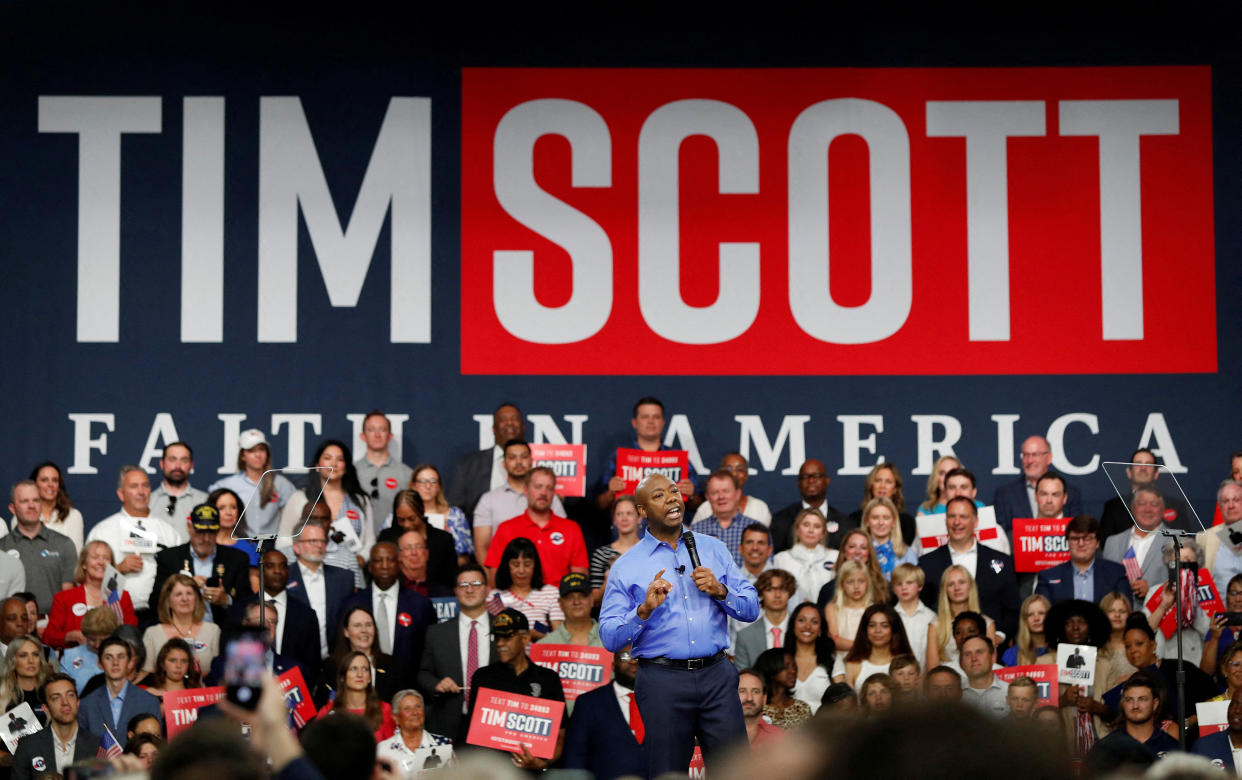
(685, 663)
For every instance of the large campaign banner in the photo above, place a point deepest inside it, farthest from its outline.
(805, 251)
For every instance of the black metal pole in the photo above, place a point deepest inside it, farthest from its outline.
(1180, 678)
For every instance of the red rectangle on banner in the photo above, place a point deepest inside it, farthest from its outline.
(1044, 675)
(634, 465)
(1039, 544)
(506, 721)
(181, 707)
(824, 221)
(569, 463)
(581, 669)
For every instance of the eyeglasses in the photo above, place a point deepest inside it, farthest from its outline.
(1080, 539)
(1028, 455)
(374, 487)
(428, 482)
(624, 656)
(172, 506)
(470, 584)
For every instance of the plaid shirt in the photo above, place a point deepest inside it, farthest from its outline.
(731, 536)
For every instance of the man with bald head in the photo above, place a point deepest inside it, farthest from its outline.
(1018, 498)
(813, 482)
(675, 616)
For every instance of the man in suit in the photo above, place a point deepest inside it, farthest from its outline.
(813, 482)
(401, 615)
(1017, 498)
(605, 733)
(1144, 538)
(322, 587)
(297, 627)
(223, 573)
(993, 571)
(37, 753)
(775, 588)
(276, 663)
(447, 665)
(483, 470)
(1083, 576)
(112, 704)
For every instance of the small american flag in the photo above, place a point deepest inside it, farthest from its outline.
(1130, 561)
(109, 748)
(113, 598)
(494, 605)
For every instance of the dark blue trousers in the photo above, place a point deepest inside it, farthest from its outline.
(678, 705)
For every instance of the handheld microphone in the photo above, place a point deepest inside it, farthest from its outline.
(687, 539)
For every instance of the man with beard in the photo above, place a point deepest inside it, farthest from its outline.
(513, 672)
(175, 497)
(63, 742)
(606, 733)
(1141, 699)
(1140, 645)
(751, 693)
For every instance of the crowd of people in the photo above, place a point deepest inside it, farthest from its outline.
(396, 597)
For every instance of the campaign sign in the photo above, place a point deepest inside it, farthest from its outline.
(1044, 675)
(1039, 544)
(698, 770)
(634, 465)
(297, 696)
(581, 669)
(1209, 602)
(181, 707)
(1076, 664)
(933, 533)
(569, 463)
(446, 608)
(1213, 716)
(506, 721)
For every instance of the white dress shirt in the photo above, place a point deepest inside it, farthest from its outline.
(499, 475)
(623, 699)
(391, 607)
(282, 610)
(317, 595)
(969, 559)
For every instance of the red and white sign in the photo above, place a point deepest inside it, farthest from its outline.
(933, 532)
(1209, 602)
(297, 696)
(634, 465)
(1044, 675)
(506, 721)
(581, 669)
(569, 463)
(1039, 544)
(698, 769)
(181, 707)
(1213, 716)
(824, 221)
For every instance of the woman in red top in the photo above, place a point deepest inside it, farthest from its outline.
(64, 621)
(355, 694)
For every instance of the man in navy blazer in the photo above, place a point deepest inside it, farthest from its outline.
(36, 753)
(599, 737)
(277, 663)
(1013, 499)
(96, 709)
(993, 571)
(408, 613)
(1085, 575)
(473, 475)
(338, 583)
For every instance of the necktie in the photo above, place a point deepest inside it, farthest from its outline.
(636, 720)
(272, 603)
(776, 636)
(381, 620)
(472, 656)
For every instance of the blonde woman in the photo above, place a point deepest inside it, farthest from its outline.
(884, 481)
(24, 672)
(880, 519)
(958, 594)
(933, 502)
(808, 560)
(181, 610)
(1032, 642)
(1117, 609)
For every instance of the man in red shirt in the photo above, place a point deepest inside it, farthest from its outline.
(558, 539)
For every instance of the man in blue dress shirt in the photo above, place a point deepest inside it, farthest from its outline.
(676, 617)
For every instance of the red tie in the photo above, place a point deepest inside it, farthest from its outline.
(636, 720)
(472, 655)
(776, 636)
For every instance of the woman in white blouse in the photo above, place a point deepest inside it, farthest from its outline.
(808, 560)
(813, 652)
(55, 509)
